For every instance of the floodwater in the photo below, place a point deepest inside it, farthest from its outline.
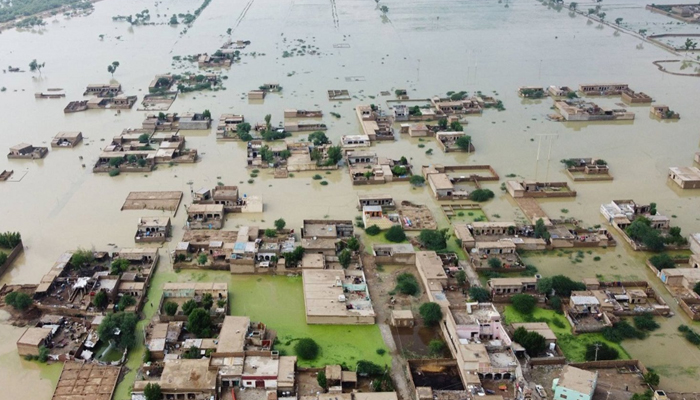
(428, 48)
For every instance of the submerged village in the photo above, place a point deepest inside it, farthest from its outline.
(369, 200)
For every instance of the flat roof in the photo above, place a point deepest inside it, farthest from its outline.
(154, 221)
(203, 208)
(34, 336)
(511, 281)
(232, 336)
(686, 173)
(187, 375)
(402, 314)
(286, 373)
(440, 181)
(500, 244)
(258, 366)
(399, 248)
(376, 396)
(577, 379)
(67, 135)
(195, 286)
(310, 260)
(375, 197)
(430, 264)
(493, 224)
(322, 294)
(540, 327)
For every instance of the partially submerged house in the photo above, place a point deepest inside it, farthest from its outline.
(338, 297)
(353, 141)
(152, 230)
(103, 89)
(366, 168)
(294, 126)
(229, 197)
(67, 139)
(603, 89)
(587, 169)
(296, 113)
(579, 110)
(528, 188)
(27, 151)
(205, 216)
(685, 177)
(574, 384)
(228, 126)
(117, 102)
(375, 123)
(386, 201)
(663, 112)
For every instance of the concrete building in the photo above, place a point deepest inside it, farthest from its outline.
(194, 121)
(152, 230)
(511, 286)
(394, 254)
(383, 200)
(662, 111)
(205, 216)
(603, 89)
(431, 270)
(402, 318)
(337, 297)
(27, 151)
(32, 339)
(375, 123)
(540, 327)
(103, 89)
(328, 229)
(574, 384)
(579, 110)
(184, 379)
(353, 141)
(67, 139)
(228, 126)
(685, 177)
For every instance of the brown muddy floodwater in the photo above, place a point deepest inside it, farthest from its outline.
(427, 47)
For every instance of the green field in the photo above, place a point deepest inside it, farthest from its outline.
(573, 347)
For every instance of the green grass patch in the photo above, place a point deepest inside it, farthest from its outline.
(573, 347)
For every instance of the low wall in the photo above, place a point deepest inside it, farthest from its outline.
(11, 257)
(548, 361)
(611, 364)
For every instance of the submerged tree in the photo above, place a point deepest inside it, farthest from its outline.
(35, 66)
(112, 68)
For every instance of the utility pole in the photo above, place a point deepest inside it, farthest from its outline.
(597, 346)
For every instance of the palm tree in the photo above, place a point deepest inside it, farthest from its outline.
(35, 66)
(573, 5)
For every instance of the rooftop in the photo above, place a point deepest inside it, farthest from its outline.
(33, 336)
(686, 173)
(232, 336)
(577, 379)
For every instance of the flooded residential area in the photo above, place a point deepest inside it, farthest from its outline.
(365, 200)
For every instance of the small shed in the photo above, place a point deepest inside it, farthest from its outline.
(402, 318)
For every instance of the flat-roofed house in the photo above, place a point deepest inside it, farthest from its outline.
(685, 177)
(510, 286)
(431, 270)
(32, 339)
(152, 230)
(574, 384)
(67, 139)
(205, 216)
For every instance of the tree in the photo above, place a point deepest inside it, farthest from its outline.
(206, 114)
(433, 239)
(495, 263)
(395, 234)
(199, 322)
(573, 5)
(353, 244)
(192, 353)
(662, 261)
(125, 302)
(122, 322)
(118, 266)
(523, 303)
(280, 224)
(270, 233)
(173, 20)
(407, 284)
(541, 230)
(18, 300)
(170, 308)
(321, 379)
(431, 313)
(384, 9)
(689, 44)
(144, 138)
(417, 180)
(533, 342)
(651, 378)
(464, 142)
(306, 349)
(112, 68)
(544, 286)
(555, 303)
(152, 391)
(268, 117)
(202, 259)
(645, 322)
(188, 306)
(318, 138)
(602, 16)
(207, 301)
(344, 258)
(563, 285)
(479, 294)
(82, 258)
(604, 352)
(372, 230)
(618, 21)
(334, 154)
(35, 66)
(480, 195)
(461, 277)
(456, 126)
(100, 300)
(43, 354)
(436, 347)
